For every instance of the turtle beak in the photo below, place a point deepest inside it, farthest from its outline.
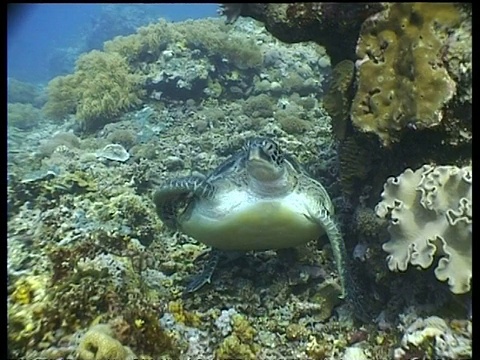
(260, 166)
(254, 153)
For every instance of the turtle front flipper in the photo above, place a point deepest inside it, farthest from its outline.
(338, 247)
(172, 198)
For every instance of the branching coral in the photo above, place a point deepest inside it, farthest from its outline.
(62, 97)
(107, 87)
(145, 44)
(101, 88)
(242, 52)
(402, 79)
(430, 214)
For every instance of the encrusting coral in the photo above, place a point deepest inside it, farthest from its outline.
(430, 214)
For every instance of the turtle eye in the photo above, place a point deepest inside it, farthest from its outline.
(272, 150)
(269, 146)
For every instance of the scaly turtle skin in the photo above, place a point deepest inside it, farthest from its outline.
(258, 199)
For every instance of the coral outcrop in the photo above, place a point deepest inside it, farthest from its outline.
(403, 81)
(430, 215)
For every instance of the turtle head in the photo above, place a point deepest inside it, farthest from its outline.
(264, 159)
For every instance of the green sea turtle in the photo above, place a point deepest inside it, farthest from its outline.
(258, 199)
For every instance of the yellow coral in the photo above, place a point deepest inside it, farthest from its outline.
(183, 316)
(315, 350)
(402, 81)
(26, 310)
(242, 328)
(62, 97)
(22, 294)
(430, 213)
(29, 289)
(139, 323)
(233, 348)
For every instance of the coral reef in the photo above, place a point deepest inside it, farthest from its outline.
(106, 87)
(66, 139)
(239, 344)
(85, 246)
(182, 61)
(430, 215)
(402, 79)
(62, 97)
(124, 137)
(459, 55)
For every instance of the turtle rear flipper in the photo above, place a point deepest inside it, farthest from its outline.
(206, 275)
(215, 256)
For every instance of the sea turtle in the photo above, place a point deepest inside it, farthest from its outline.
(258, 199)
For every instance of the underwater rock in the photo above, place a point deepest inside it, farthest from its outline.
(41, 175)
(115, 152)
(354, 353)
(435, 339)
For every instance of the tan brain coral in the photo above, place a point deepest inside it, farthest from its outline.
(430, 214)
(98, 344)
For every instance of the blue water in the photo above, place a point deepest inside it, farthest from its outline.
(41, 36)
